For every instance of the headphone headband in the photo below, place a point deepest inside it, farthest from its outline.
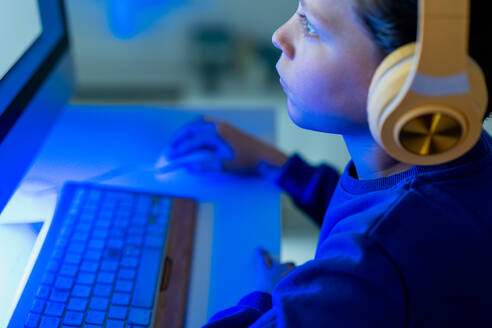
(442, 45)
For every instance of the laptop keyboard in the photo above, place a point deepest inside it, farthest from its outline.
(105, 266)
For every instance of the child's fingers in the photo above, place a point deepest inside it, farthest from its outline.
(288, 267)
(263, 257)
(198, 127)
(204, 142)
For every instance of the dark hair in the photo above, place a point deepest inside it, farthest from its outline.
(392, 24)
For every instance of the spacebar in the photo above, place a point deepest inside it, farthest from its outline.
(143, 294)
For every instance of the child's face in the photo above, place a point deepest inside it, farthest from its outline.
(326, 66)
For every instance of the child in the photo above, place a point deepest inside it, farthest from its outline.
(400, 245)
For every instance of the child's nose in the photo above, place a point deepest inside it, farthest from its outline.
(281, 41)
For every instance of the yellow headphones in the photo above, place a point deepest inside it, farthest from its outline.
(427, 99)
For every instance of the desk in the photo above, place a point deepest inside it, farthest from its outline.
(235, 215)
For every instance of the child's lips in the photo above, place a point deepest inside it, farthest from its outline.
(284, 85)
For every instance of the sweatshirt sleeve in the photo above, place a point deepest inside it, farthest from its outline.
(310, 187)
(352, 284)
(245, 313)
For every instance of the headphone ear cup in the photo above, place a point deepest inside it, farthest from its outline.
(387, 83)
(478, 85)
(386, 87)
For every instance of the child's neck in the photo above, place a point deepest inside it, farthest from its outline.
(370, 160)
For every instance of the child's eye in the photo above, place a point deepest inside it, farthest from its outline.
(307, 27)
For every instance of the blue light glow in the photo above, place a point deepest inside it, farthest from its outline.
(128, 18)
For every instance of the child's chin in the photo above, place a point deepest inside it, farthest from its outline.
(296, 116)
(308, 121)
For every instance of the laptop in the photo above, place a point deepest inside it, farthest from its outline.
(110, 256)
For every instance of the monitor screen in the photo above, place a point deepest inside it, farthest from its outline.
(20, 27)
(30, 31)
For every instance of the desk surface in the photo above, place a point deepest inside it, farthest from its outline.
(236, 215)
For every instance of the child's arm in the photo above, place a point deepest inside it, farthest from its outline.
(310, 187)
(208, 144)
(353, 284)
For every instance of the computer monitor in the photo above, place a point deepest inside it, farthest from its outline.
(36, 81)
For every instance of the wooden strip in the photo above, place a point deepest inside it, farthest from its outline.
(175, 281)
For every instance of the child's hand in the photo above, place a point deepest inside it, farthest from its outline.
(212, 145)
(269, 271)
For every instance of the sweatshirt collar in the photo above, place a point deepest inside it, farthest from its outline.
(355, 186)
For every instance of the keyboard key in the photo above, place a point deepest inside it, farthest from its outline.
(147, 276)
(62, 242)
(93, 255)
(83, 227)
(109, 266)
(100, 234)
(69, 270)
(94, 196)
(105, 277)
(43, 292)
(121, 298)
(80, 237)
(73, 318)
(144, 202)
(48, 278)
(139, 317)
(130, 262)
(86, 278)
(59, 296)
(38, 306)
(134, 240)
(136, 230)
(115, 243)
(99, 303)
(95, 317)
(115, 324)
(96, 244)
(81, 291)
(132, 251)
(123, 286)
(140, 220)
(63, 283)
(49, 322)
(76, 247)
(111, 254)
(102, 290)
(128, 274)
(32, 320)
(89, 266)
(117, 312)
(65, 231)
(53, 265)
(77, 304)
(122, 221)
(54, 309)
(87, 218)
(106, 215)
(73, 258)
(103, 223)
(57, 254)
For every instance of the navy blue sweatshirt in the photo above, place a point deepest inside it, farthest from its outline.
(410, 250)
